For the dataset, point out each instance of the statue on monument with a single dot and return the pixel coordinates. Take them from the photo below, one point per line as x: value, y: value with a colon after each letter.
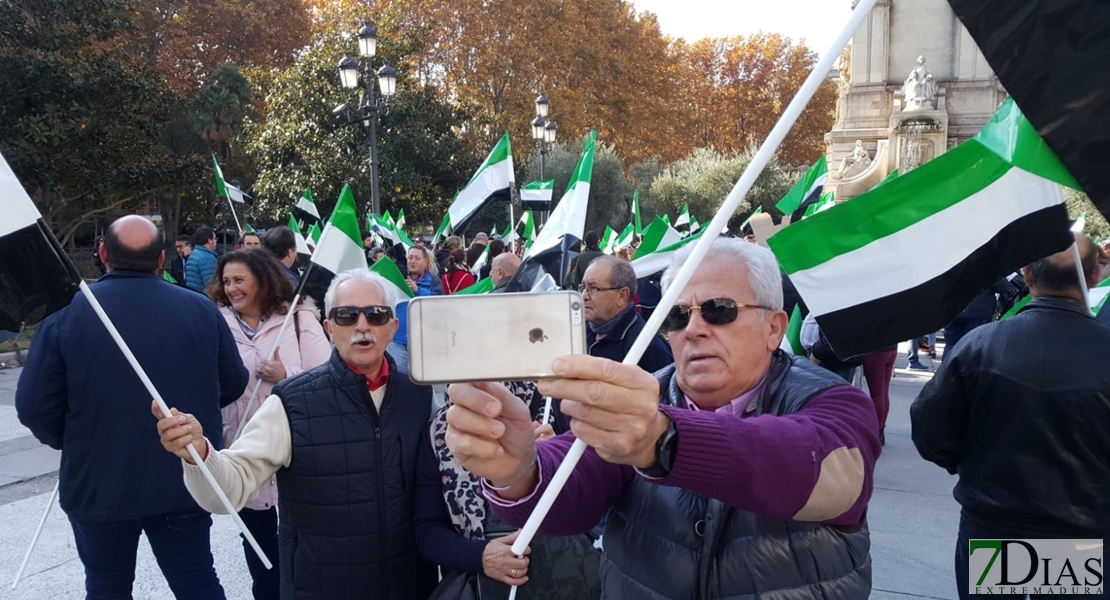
x: 920, y: 89
x: 853, y: 164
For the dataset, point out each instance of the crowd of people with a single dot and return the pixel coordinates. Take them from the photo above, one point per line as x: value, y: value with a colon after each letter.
x: 720, y: 466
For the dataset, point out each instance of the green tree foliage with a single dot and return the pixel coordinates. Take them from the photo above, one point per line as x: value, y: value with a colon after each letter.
x: 704, y: 179
x: 1078, y: 204
x: 222, y: 106
x: 610, y: 191
x: 80, y: 118
x: 423, y: 163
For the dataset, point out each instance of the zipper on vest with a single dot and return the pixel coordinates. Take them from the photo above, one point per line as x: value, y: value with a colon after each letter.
x: 383, y: 556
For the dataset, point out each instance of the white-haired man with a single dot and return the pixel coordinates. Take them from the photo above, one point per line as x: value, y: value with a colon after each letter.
x: 342, y: 439
x: 739, y: 472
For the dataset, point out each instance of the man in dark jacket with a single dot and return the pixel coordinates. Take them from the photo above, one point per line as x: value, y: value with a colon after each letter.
x: 78, y: 394
x: 612, y: 322
x: 202, y: 261
x: 590, y: 252
x: 184, y: 247
x: 718, y: 474
x: 979, y: 312
x: 1020, y: 410
x: 342, y: 439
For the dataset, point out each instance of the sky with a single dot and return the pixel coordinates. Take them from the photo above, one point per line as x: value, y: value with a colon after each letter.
x: 818, y: 21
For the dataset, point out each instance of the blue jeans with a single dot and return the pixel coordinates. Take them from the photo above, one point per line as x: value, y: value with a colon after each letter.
x: 400, y: 356
x: 180, y: 543
x: 263, y: 526
x: 973, y: 531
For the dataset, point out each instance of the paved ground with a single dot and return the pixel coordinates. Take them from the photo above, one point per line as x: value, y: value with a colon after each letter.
x: 912, y: 516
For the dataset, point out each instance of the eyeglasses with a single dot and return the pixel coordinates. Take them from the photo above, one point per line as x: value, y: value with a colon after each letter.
x: 345, y: 316
x: 592, y: 289
x: 717, y: 311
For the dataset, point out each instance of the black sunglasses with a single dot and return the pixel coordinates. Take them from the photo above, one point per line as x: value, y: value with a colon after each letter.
x: 716, y: 311
x: 345, y: 316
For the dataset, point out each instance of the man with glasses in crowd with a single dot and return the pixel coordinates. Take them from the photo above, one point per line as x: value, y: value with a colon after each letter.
x: 739, y: 472
x: 342, y: 439
x: 613, y: 323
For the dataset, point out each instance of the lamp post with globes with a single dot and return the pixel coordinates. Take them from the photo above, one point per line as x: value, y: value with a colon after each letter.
x: 369, y: 104
x: 543, y: 131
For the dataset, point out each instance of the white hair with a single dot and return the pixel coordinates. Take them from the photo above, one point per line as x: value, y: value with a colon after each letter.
x: 763, y: 270
x: 387, y: 286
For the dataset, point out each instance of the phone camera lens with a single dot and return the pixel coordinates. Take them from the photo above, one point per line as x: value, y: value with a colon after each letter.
x: 575, y: 306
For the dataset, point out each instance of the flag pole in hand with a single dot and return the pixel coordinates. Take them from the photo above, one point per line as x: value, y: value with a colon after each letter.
x: 686, y: 272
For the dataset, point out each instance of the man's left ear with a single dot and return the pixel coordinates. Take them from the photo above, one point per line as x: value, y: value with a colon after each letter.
x: 776, y: 325
x: 102, y: 251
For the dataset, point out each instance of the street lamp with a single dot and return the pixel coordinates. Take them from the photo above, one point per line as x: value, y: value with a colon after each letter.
x: 350, y: 70
x: 543, y: 131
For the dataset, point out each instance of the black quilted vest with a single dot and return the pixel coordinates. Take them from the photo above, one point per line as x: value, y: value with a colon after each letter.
x: 346, y: 499
x: 669, y: 543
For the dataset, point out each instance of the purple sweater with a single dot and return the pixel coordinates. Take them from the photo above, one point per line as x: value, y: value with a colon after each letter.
x: 768, y: 465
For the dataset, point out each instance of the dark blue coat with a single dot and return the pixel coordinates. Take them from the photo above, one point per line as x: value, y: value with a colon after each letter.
x: 616, y: 345
x: 78, y: 394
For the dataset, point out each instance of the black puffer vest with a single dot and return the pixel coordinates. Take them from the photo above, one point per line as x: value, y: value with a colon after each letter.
x: 669, y: 543
x: 346, y: 499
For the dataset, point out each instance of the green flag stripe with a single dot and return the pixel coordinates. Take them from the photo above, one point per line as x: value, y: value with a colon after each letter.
x: 388, y: 269
x: 940, y: 184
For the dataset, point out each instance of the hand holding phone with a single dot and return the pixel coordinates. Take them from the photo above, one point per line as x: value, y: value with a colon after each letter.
x: 493, y: 337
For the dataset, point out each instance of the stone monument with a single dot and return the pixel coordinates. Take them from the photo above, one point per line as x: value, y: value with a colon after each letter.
x: 912, y: 85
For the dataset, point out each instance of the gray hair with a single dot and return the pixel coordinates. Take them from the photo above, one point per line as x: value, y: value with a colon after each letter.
x: 621, y: 273
x: 387, y: 286
x: 763, y: 270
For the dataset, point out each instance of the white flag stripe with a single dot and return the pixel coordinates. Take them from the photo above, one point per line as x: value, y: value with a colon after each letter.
x: 536, y: 195
x: 308, y: 206
x: 1014, y: 195
x: 568, y: 217
x: 18, y: 211
x: 337, y: 253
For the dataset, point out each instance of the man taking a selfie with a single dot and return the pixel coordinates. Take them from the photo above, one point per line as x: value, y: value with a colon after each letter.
x: 342, y: 439
x: 717, y: 473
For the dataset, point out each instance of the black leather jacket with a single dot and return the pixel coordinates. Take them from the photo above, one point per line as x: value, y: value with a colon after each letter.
x: 1021, y: 411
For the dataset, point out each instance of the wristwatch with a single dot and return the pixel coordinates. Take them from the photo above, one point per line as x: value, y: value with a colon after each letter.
x: 666, y: 449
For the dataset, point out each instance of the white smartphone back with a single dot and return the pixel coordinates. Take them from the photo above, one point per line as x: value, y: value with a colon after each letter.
x: 493, y: 337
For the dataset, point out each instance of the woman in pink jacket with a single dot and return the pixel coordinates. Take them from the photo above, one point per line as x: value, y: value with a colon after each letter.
x: 254, y: 295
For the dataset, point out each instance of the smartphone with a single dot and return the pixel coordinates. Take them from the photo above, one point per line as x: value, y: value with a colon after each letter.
x: 493, y: 337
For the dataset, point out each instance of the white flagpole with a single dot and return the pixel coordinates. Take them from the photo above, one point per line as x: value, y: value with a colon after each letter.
x: 95, y: 304
x: 284, y: 326
x: 1079, y: 272
x: 231, y: 204
x: 701, y: 248
x: 38, y: 532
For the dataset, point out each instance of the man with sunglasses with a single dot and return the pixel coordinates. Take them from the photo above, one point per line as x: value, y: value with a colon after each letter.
x: 342, y: 439
x: 740, y: 472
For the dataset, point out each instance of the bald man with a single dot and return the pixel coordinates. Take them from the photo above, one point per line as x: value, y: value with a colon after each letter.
x: 502, y: 269
x: 1019, y: 409
x: 78, y: 394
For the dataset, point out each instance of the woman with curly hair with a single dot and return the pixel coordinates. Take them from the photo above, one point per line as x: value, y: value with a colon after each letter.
x: 254, y: 295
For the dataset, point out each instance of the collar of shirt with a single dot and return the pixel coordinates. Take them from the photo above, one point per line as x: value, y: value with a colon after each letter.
x: 247, y: 329
x: 377, y: 382
x: 739, y: 406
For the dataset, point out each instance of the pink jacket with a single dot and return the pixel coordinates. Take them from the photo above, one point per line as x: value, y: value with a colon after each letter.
x: 313, y: 350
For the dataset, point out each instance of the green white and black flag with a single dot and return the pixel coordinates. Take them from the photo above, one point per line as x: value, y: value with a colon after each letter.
x: 36, y: 277
x: 339, y: 249
x: 995, y: 201
x: 491, y: 183
x: 305, y: 210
